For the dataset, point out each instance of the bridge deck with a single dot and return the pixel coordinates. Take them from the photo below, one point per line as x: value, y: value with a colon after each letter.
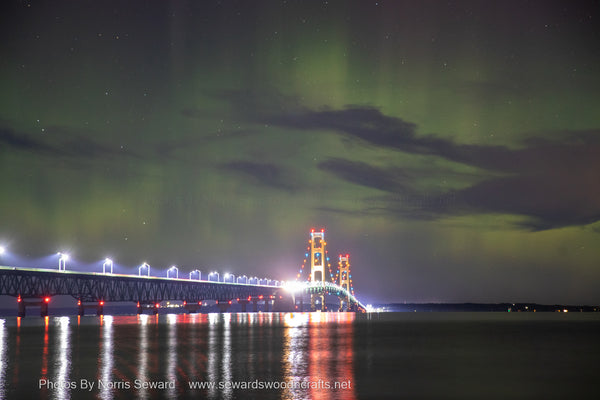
x: 92, y: 286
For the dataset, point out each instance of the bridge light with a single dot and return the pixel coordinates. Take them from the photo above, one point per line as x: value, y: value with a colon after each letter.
x: 144, y: 265
x: 47, y: 300
x: 101, y: 302
x: 195, y: 271
x: 107, y: 261
x: 19, y: 299
x: 62, y: 261
x: 78, y: 302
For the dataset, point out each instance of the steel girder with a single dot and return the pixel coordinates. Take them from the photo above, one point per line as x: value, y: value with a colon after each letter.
x: 95, y: 287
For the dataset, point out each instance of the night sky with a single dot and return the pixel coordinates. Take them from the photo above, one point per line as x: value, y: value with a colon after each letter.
x: 452, y: 148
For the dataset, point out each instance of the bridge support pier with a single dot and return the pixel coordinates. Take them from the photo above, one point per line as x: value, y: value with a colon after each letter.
x: 155, y: 308
x: 99, y: 307
x: 193, y: 307
x: 22, y: 311
x: 313, y: 302
x: 44, y: 309
x: 139, y: 308
x: 23, y: 304
x: 284, y: 303
x: 243, y: 303
x: 255, y: 305
x: 223, y: 305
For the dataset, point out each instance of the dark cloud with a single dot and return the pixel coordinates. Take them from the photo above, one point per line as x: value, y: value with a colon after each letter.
x: 59, y: 142
x: 264, y: 174
x: 550, y: 183
x: 10, y: 139
x: 549, y: 200
x: 389, y: 180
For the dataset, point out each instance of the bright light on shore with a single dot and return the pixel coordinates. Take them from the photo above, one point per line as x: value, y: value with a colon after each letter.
x: 2, y: 250
x: 293, y: 286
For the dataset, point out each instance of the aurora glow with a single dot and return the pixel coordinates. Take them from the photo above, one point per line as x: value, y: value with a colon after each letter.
x: 452, y: 148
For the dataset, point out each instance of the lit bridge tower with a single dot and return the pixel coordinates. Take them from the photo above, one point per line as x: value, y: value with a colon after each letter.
x: 317, y: 267
x: 344, y: 279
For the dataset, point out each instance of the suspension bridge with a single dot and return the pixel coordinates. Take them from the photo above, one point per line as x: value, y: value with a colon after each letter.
x: 35, y: 287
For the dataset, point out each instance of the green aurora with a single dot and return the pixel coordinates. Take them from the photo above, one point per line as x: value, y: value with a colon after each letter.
x: 453, y: 149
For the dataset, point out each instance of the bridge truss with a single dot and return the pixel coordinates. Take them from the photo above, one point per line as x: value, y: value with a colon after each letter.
x: 40, y: 285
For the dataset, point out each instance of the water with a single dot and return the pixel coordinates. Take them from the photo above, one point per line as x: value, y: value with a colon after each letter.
x: 302, y: 356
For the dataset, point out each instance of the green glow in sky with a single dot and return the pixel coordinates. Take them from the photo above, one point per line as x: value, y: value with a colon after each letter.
x: 452, y: 150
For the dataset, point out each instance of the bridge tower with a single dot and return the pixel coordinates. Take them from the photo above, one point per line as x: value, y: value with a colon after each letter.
x: 317, y: 266
x: 344, y: 279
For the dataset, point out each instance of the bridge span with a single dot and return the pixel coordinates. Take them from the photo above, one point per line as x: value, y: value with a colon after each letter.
x: 35, y: 287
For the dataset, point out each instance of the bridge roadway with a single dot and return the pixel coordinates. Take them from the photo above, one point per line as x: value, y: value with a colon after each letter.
x: 32, y: 283
x: 90, y: 287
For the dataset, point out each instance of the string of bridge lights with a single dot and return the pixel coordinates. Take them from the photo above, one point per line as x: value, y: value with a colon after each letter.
x: 172, y: 272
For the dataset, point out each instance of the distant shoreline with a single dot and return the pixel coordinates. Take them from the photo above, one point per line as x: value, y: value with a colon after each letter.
x: 486, y: 307
x: 391, y: 307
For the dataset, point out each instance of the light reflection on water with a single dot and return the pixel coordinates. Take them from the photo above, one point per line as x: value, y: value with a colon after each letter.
x: 330, y: 339
x: 3, y: 335
x: 226, y: 356
x: 172, y: 355
x: 400, y: 355
x: 109, y: 351
x: 106, y: 360
x: 213, y: 320
x: 294, y: 355
x: 44, y: 372
x: 62, y: 357
x: 143, y: 354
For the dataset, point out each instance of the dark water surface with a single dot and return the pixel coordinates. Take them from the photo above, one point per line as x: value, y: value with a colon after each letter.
x: 303, y: 356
